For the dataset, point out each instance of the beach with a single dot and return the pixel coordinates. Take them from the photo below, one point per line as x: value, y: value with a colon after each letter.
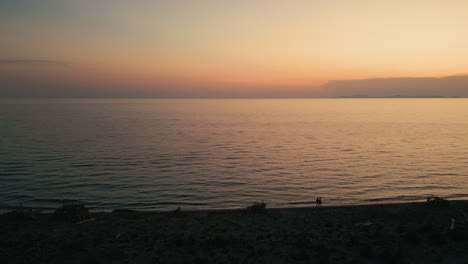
x: 383, y: 233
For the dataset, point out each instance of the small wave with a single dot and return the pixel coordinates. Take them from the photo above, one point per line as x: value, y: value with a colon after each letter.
x: 298, y: 203
x: 444, y: 174
x: 82, y: 165
x: 396, y: 198
x: 56, y: 201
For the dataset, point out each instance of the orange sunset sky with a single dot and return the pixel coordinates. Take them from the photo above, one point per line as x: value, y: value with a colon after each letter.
x: 256, y: 48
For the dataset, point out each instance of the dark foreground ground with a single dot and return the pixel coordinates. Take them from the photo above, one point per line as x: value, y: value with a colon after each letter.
x: 392, y: 233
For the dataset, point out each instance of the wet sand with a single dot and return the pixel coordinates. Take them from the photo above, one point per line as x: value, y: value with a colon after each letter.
x: 390, y: 233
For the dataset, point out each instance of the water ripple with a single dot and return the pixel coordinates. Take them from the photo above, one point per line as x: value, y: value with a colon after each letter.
x: 215, y: 154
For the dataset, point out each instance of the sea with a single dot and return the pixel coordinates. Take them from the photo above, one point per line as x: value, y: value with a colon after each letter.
x: 159, y: 154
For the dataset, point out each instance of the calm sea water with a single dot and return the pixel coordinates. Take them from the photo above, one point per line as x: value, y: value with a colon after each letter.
x: 159, y: 154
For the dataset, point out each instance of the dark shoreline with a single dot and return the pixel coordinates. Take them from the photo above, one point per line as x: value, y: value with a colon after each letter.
x: 291, y: 206
x: 390, y: 233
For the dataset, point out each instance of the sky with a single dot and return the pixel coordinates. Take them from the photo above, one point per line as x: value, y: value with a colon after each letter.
x: 221, y: 48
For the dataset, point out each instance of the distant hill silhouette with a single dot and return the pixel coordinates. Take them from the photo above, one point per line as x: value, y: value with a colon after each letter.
x: 405, y: 87
x: 394, y: 96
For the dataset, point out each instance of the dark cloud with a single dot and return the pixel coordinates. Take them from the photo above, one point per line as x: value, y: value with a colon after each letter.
x: 404, y: 86
x: 31, y: 62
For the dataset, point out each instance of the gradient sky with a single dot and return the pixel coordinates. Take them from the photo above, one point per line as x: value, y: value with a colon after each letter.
x: 216, y: 48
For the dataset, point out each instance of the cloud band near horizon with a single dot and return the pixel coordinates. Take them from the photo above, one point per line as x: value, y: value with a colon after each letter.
x: 35, y: 62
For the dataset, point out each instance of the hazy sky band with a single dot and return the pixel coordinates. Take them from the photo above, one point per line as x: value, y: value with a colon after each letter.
x: 237, y: 48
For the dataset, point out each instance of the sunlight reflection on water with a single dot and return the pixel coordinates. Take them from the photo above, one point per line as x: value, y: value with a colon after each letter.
x: 143, y: 153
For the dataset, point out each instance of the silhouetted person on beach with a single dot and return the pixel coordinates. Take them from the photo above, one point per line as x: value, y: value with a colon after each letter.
x: 318, y: 201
